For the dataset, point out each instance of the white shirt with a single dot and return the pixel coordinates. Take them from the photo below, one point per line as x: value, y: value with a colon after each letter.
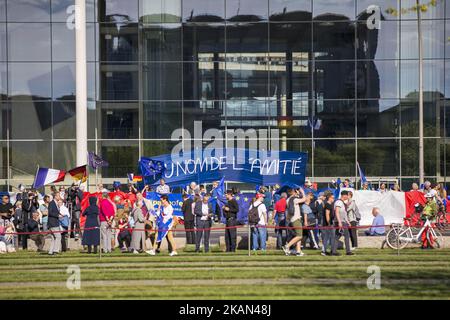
x: 262, y: 211
x: 168, y: 213
x: 163, y: 189
x: 64, y: 211
x: 205, y: 211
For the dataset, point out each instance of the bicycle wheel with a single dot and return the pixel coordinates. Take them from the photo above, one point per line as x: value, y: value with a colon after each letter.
x: 392, y: 239
x: 438, y: 239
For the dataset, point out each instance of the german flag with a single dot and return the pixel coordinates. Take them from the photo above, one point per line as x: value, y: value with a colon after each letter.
x: 79, y: 173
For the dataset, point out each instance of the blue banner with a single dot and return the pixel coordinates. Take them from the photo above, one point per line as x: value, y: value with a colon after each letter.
x: 175, y: 199
x: 240, y: 165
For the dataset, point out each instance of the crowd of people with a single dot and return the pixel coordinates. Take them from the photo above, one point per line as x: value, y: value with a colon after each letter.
x: 300, y: 217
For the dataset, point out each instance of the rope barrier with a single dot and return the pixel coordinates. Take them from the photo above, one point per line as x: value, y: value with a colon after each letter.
x: 205, y: 229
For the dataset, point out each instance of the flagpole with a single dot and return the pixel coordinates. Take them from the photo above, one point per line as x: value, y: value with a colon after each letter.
x: 34, y: 181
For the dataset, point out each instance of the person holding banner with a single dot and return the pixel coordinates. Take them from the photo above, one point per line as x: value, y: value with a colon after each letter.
x: 230, y: 211
x: 203, y: 212
x: 165, y: 222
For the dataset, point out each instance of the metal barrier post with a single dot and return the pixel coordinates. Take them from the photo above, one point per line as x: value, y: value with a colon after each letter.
x: 100, y: 246
x: 249, y: 234
x: 398, y: 242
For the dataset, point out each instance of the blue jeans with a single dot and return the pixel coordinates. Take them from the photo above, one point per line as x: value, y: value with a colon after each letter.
x: 259, y: 238
x: 281, y: 222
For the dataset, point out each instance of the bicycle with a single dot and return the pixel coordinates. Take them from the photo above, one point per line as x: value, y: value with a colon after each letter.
x: 401, y: 235
x: 442, y: 222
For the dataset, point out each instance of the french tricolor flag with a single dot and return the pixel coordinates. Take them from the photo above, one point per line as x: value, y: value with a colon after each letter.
x: 46, y: 176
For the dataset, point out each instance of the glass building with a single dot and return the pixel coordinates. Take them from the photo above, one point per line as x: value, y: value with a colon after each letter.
x: 335, y: 87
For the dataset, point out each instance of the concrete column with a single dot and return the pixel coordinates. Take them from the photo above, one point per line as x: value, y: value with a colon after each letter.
x: 81, y: 81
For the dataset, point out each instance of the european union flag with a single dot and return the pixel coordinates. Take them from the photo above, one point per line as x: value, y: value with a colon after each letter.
x: 150, y: 167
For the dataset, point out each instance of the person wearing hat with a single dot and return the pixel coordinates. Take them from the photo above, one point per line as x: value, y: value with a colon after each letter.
x: 230, y: 211
x: 429, y: 213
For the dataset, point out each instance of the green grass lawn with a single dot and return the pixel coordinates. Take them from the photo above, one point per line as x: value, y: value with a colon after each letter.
x: 414, y: 274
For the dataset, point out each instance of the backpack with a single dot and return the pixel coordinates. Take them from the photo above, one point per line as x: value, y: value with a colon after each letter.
x: 253, y: 214
x: 290, y: 207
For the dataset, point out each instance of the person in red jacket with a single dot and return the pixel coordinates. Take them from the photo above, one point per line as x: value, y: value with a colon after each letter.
x: 280, y: 218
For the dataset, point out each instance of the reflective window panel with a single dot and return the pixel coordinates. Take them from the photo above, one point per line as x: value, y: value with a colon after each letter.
x: 157, y: 147
x: 119, y: 81
x: 28, y: 10
x: 64, y: 120
x: 64, y: 86
x: 432, y: 35
x: 118, y: 42
x: 379, y: 158
x: 410, y: 157
x: 203, y: 42
x: 209, y: 112
x: 378, y: 118
x: 433, y: 81
x: 334, y: 79
x: 203, y: 10
x: 246, y: 10
x: 204, y: 81
x: 333, y: 119
x: 160, y: 119
x: 5, y: 120
x: 383, y: 43
x: 247, y: 38
x: 63, y: 42
x: 292, y: 41
x: 3, y: 44
x: 161, y: 42
x: 334, y: 40
x: 64, y: 10
x: 3, y: 81
x: 117, y: 11
x: 433, y: 106
x: 290, y: 10
x: 162, y: 81
x: 119, y: 120
x: 160, y: 11
x: 389, y: 9
x: 31, y: 120
x: 334, y: 158
x: 334, y: 10
x: 23, y: 167
x: 2, y: 10
x: 378, y: 79
x: 29, y: 42
x: 433, y: 9
x: 29, y: 81
x: 4, y: 163
x: 64, y: 154
x: 122, y: 156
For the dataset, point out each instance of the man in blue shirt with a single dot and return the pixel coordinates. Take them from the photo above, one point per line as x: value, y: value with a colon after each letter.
x: 378, y: 220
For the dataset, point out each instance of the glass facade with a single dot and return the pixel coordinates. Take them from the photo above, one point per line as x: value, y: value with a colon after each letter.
x: 333, y: 85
